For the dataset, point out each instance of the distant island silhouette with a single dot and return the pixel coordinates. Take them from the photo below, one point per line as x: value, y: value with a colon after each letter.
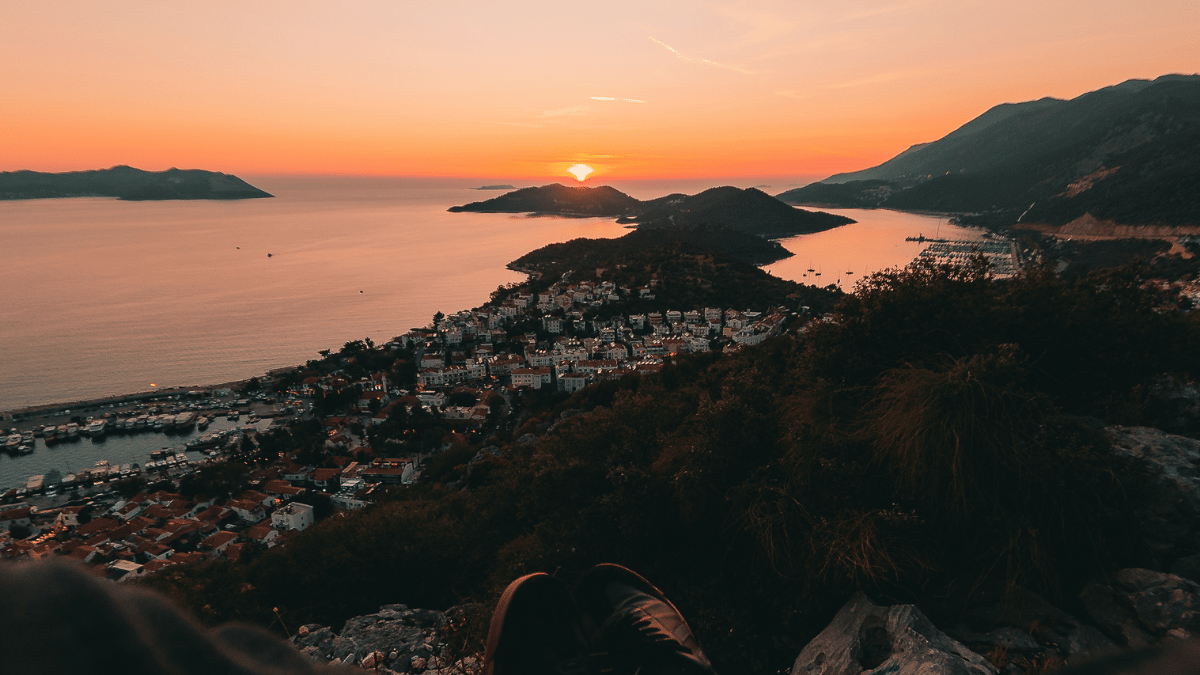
x: 730, y: 211
x: 495, y: 187
x: 127, y: 183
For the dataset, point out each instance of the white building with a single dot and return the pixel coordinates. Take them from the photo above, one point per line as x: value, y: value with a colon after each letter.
x: 294, y: 516
x: 531, y: 377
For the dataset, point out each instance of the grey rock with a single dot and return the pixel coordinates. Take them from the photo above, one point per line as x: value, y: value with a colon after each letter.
x: 396, y: 630
x: 1084, y: 643
x: 1056, y: 633
x: 1141, y: 607
x: 1175, y: 405
x: 527, y: 439
x: 1166, y: 484
x: 897, y: 640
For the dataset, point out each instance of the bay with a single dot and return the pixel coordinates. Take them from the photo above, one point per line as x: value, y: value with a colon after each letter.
x: 103, y: 297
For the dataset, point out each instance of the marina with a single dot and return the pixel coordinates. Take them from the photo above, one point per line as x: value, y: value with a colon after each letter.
x: 149, y: 439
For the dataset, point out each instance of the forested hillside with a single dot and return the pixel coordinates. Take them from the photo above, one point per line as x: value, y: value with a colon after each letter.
x: 941, y: 431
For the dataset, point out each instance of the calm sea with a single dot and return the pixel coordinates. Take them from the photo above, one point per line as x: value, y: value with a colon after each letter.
x: 107, y: 297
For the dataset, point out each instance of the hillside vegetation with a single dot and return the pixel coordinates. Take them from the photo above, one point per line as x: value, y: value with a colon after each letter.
x: 942, y: 430
x: 1126, y: 154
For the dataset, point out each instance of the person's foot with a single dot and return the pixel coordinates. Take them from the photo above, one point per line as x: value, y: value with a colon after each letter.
x: 535, y: 631
x: 635, y: 626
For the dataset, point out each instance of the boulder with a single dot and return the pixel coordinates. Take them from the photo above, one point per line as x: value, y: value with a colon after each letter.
x: 1174, y: 405
x: 1165, y: 486
x: 395, y: 639
x: 1140, y: 607
x: 898, y: 640
x: 1027, y: 630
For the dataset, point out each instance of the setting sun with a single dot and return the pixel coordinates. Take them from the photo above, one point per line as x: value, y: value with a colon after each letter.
x: 580, y: 171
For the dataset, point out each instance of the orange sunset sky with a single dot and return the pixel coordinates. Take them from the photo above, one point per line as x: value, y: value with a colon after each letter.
x: 525, y: 89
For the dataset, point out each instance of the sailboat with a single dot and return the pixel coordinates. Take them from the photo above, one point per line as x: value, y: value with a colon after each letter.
x: 810, y: 267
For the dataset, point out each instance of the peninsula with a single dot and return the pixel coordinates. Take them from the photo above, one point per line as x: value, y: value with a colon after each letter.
x: 127, y: 183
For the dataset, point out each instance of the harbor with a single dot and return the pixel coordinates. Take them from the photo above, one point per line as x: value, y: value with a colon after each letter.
x: 62, y: 450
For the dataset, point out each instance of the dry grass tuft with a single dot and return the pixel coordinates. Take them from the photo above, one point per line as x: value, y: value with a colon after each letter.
x: 954, y: 437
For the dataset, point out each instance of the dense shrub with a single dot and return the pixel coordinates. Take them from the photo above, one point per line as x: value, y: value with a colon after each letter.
x: 937, y: 432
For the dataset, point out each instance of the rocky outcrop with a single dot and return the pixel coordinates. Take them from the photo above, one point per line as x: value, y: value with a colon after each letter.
x: 1020, y: 632
x: 396, y: 639
x: 1164, y: 485
x: 898, y: 640
x: 1175, y: 405
x: 1142, y: 607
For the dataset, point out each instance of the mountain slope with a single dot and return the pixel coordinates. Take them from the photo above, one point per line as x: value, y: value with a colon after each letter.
x: 1126, y: 153
x: 124, y: 182
x: 558, y: 200
x: 750, y: 211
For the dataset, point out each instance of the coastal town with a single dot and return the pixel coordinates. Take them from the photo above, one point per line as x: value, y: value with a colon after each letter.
x: 344, y: 431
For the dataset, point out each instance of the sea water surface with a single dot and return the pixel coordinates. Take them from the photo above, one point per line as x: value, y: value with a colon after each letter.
x: 104, y: 297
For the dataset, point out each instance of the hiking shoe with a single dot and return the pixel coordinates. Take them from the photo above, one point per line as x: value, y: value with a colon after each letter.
x: 535, y: 630
x: 635, y: 627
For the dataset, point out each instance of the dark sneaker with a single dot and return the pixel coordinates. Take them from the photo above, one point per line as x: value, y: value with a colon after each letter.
x: 633, y: 624
x: 535, y: 630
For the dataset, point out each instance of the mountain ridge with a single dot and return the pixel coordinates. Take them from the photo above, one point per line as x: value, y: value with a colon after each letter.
x: 127, y: 183
x: 749, y: 211
x: 1124, y: 153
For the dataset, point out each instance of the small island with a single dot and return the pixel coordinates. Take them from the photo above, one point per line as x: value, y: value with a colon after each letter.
x: 127, y: 183
x: 739, y: 222
x: 495, y: 187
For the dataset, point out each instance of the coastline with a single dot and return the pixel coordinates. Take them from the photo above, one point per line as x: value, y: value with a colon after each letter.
x: 47, y: 410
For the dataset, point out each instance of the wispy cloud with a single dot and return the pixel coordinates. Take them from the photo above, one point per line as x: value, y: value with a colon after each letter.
x: 880, y: 78
x: 527, y: 125
x: 613, y: 98
x: 573, y: 111
x: 884, y: 9
x: 715, y: 64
